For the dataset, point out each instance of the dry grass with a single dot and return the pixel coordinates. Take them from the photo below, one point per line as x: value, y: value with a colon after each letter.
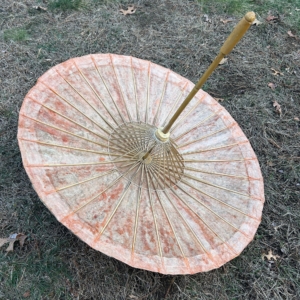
x: 54, y: 264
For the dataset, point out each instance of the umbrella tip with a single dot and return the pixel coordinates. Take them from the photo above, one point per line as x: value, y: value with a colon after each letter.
x: 250, y: 16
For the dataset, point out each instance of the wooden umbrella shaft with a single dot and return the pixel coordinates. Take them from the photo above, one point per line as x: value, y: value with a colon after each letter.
x: 237, y: 33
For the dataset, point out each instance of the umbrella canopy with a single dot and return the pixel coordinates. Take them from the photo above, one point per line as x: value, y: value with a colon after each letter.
x: 85, y: 132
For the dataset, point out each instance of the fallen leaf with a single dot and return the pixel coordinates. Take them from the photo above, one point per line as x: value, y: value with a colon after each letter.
x: 223, y: 61
x: 219, y: 99
x: 207, y: 19
x: 11, y: 245
x: 256, y: 22
x: 271, y: 18
x: 21, y: 238
x: 296, y: 119
x: 130, y: 10
x: 290, y: 34
x: 40, y: 8
x: 270, y: 255
x: 3, y: 241
x: 277, y: 107
x: 26, y: 294
x: 226, y: 20
x: 271, y: 85
x: 276, y: 72
x: 12, y: 239
x: 270, y: 164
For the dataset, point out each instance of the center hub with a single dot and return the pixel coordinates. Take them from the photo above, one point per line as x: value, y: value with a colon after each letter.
x: 143, y: 159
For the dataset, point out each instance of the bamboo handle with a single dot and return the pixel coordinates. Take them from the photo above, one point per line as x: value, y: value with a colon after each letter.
x: 237, y: 33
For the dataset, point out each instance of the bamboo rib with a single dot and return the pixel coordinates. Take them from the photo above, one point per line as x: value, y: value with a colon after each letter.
x: 220, y: 187
x: 137, y: 209
x: 118, y: 204
x: 108, y: 92
x: 202, y: 220
x: 196, y: 126
x: 77, y: 109
x: 70, y: 120
x: 187, y: 114
x: 70, y: 133
x: 161, y: 99
x: 65, y: 131
x: 135, y: 92
x: 202, y: 138
x: 120, y: 89
x: 148, y: 93
x: 154, y: 215
x: 68, y: 147
x: 97, y: 95
x: 214, y: 148
x: 84, y: 181
x: 213, y: 212
x: 98, y: 195
x: 220, y: 201
x: 185, y: 222
x: 77, y: 92
x: 175, y: 103
x: 168, y: 218
x: 216, y: 173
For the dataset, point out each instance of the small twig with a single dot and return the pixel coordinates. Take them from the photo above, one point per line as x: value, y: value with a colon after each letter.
x: 169, y: 288
x: 273, y: 143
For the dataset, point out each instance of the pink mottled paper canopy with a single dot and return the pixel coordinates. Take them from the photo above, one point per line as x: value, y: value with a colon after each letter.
x: 73, y: 121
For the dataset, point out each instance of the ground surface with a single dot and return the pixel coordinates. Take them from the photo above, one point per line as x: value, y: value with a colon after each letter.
x: 55, y: 264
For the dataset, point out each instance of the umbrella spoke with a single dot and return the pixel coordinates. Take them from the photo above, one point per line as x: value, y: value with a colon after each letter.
x: 67, y: 147
x: 65, y: 131
x: 113, y: 66
x: 168, y: 218
x: 175, y: 103
x: 185, y: 222
x: 135, y: 92
x: 72, y: 121
x: 154, y: 215
x: 97, y: 95
x: 118, y: 204
x: 77, y: 92
x: 148, y: 92
x: 226, y: 204
x: 137, y: 209
x: 77, y: 109
x: 218, y: 186
x: 215, y: 148
x: 212, y: 211
x: 198, y: 216
x: 161, y: 99
x: 196, y: 126
x: 202, y: 220
x: 83, y: 181
x: 98, y: 195
x: 187, y: 114
x: 202, y: 138
x: 221, y: 174
x: 110, y: 95
x: 78, y: 164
